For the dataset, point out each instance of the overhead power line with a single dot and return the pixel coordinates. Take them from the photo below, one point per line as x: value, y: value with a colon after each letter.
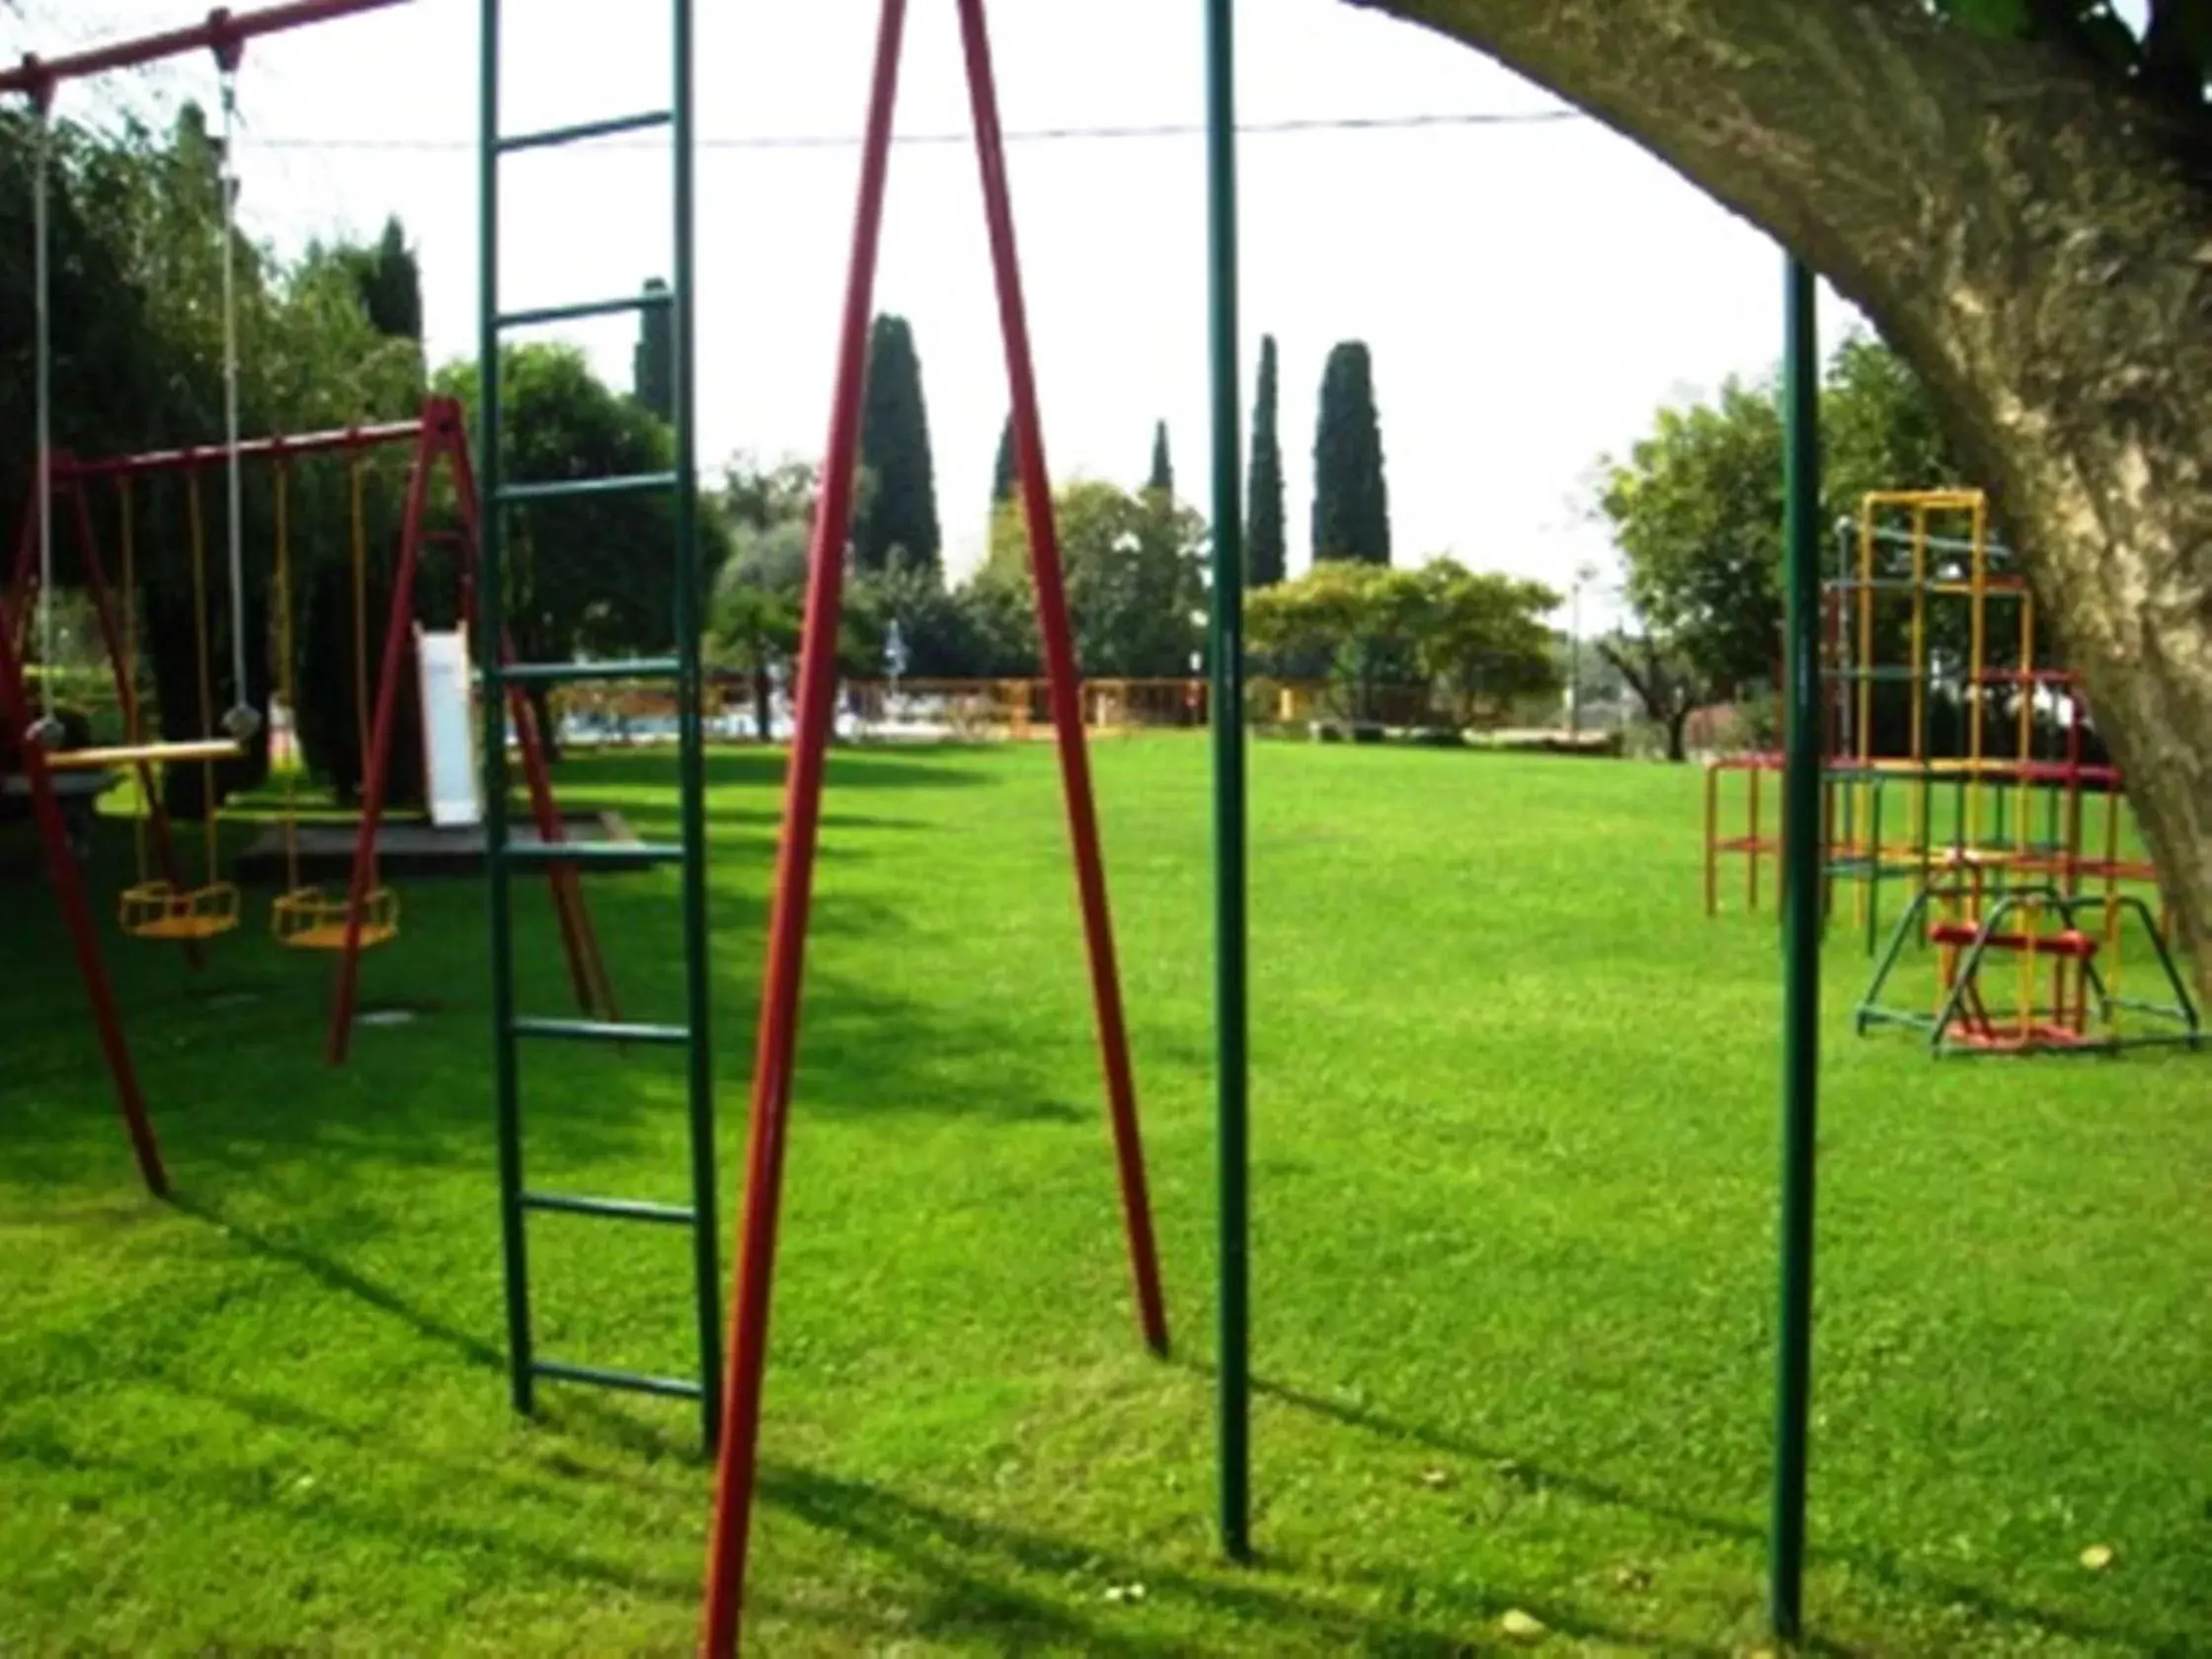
x: 1030, y: 135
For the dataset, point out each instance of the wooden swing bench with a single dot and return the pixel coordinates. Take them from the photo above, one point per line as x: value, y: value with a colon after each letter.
x: 118, y: 755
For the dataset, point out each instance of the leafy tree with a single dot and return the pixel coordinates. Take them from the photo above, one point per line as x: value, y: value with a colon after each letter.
x: 1005, y: 481
x: 761, y: 496
x: 1476, y: 640
x: 1661, y: 678
x: 592, y: 577
x: 900, y: 510
x: 1696, y: 510
x: 653, y: 361
x: 1356, y: 624
x: 1263, y: 512
x: 1481, y: 642
x: 1163, y: 476
x: 2017, y: 192
x: 759, y: 598
x: 388, y: 276
x: 1132, y: 565
x: 138, y: 323
x: 1351, y: 503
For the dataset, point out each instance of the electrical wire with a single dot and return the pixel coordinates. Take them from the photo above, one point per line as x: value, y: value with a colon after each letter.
x: 1030, y: 135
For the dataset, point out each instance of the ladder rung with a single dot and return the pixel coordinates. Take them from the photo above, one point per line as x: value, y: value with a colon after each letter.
x: 555, y: 673
x: 593, y: 852
x: 562, y: 489
x: 602, y: 1031
x: 672, y: 1388
x: 609, y: 128
x: 622, y: 1209
x: 651, y: 299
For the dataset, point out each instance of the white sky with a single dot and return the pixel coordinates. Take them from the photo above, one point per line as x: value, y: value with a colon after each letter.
x: 1532, y: 293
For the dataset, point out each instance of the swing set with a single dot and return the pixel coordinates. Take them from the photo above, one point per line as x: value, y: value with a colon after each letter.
x: 163, y: 902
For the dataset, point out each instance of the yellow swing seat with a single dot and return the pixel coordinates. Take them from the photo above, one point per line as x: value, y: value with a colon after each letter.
x: 160, y: 910
x: 309, y: 919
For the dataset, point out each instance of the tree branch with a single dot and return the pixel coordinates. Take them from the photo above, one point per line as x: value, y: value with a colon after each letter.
x: 2033, y: 237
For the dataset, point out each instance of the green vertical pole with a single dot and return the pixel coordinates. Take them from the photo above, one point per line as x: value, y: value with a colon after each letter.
x: 1801, y: 922
x: 707, y: 1231
x: 1226, y: 717
x: 491, y: 617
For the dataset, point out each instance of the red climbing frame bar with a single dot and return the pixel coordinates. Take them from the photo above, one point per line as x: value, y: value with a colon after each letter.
x: 84, y: 938
x: 222, y: 32
x: 1063, y: 676
x: 774, y: 1057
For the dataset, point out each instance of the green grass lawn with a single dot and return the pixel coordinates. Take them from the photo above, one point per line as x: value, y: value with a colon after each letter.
x: 1515, y: 1146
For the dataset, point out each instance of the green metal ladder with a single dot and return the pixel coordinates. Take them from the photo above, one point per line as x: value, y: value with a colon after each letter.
x: 517, y: 1200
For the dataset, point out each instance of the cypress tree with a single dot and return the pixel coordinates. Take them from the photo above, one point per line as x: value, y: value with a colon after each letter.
x: 1163, y: 476
x: 901, y: 510
x: 389, y: 278
x: 1005, y: 480
x: 652, y: 363
x: 1263, y: 514
x: 1351, y: 503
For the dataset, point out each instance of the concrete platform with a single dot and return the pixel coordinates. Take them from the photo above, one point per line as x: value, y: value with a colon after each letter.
x: 409, y: 848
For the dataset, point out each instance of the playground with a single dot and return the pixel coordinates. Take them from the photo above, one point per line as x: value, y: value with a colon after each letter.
x: 1513, y: 1223
x: 374, y: 1277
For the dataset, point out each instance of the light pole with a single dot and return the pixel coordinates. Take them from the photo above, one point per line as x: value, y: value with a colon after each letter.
x: 1584, y: 574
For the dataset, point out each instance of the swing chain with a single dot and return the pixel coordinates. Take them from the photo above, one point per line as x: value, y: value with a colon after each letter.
x: 48, y: 731
x: 243, y: 720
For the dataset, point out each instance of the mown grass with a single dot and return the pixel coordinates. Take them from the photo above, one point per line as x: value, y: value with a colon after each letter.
x: 1514, y: 1164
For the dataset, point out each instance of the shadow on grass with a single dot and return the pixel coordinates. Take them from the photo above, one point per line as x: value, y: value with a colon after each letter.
x: 951, y: 1551
x: 345, y: 1520
x: 252, y: 1096
x: 1882, y: 1565
x: 341, y: 1280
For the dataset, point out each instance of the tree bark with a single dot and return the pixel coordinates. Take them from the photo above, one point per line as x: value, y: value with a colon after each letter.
x: 2024, y: 233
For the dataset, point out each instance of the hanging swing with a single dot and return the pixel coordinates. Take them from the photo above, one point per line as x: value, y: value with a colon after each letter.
x: 156, y: 909
x: 153, y: 909
x: 305, y: 917
x: 160, y: 910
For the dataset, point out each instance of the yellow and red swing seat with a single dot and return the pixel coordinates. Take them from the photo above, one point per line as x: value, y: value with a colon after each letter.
x: 159, y: 910
x: 309, y: 919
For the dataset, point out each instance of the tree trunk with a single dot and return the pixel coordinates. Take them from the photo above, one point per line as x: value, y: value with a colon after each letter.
x: 2020, y: 230
x: 763, y: 704
x: 1678, y: 726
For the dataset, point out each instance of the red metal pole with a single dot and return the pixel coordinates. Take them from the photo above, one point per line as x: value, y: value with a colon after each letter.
x: 69, y: 891
x: 201, y: 458
x: 580, y: 943
x: 402, y: 617
x: 1063, y: 676
x: 738, y: 1454
x: 222, y: 32
x: 15, y: 619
